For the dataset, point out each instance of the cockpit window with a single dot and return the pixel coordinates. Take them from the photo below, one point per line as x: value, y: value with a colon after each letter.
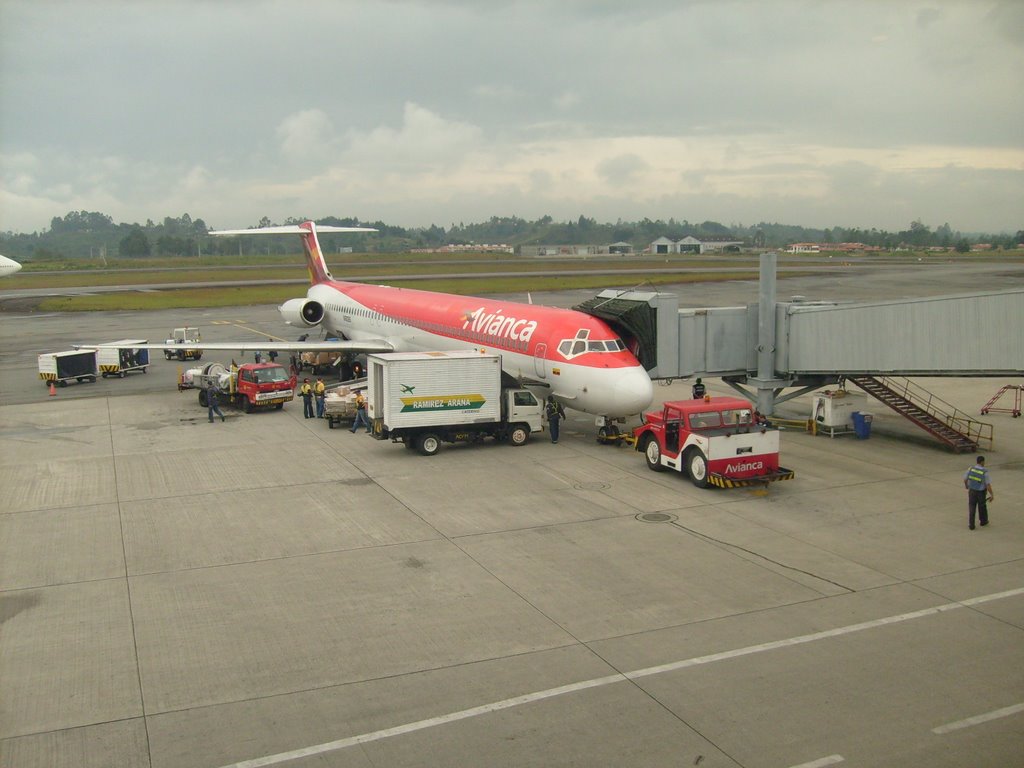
x: 582, y: 344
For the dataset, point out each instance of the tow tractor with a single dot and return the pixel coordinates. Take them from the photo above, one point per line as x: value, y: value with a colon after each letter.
x: 184, y: 336
x: 717, y: 441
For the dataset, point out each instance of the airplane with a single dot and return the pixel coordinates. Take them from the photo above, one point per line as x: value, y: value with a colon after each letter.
x: 8, y: 266
x: 577, y: 358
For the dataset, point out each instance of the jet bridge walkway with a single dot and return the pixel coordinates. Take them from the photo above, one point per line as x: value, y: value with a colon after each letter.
x: 767, y: 347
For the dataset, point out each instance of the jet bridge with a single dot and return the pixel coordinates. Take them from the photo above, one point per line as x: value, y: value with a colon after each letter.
x: 771, y: 346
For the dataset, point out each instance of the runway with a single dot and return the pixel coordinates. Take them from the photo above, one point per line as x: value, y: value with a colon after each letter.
x: 270, y: 592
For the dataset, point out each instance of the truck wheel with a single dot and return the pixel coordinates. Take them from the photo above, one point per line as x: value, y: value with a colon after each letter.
x: 697, y: 466
x: 248, y: 405
x: 121, y: 374
x: 518, y: 435
x: 203, y: 399
x: 62, y: 383
x: 428, y: 444
x: 181, y: 354
x: 652, y: 453
x: 279, y: 406
x: 104, y: 374
x: 199, y: 355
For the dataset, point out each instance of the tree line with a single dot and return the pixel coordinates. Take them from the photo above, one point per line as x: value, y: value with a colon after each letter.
x: 93, y: 234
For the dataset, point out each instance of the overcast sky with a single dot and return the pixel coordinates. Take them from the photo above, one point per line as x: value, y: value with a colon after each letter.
x: 860, y: 113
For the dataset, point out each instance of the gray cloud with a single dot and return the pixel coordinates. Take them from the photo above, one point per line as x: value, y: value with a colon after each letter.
x: 432, y: 112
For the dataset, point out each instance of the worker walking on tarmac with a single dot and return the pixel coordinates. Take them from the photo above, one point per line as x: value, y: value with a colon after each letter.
x: 306, y: 390
x: 698, y: 390
x: 319, y: 392
x: 978, y: 485
x: 361, y: 417
x: 212, y: 398
x: 555, y: 413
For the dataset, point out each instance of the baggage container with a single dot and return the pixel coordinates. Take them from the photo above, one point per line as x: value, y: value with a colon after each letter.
x: 74, y: 365
x: 118, y: 358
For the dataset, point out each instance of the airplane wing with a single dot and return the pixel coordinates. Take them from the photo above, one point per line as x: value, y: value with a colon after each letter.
x: 366, y: 345
x: 288, y: 229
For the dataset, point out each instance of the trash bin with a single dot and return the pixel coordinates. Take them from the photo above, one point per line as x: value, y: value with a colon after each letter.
x: 862, y: 424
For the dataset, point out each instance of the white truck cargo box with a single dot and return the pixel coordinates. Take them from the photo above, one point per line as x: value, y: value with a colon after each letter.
x: 422, y: 389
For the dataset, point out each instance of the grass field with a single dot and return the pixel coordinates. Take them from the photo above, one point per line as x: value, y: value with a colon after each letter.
x: 157, y: 272
x: 234, y: 296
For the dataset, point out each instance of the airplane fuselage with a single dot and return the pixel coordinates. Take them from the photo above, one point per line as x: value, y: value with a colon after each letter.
x: 577, y: 357
x: 8, y: 266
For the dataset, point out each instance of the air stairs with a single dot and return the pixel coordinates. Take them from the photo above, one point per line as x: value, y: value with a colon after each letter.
x: 990, y: 406
x: 945, y: 422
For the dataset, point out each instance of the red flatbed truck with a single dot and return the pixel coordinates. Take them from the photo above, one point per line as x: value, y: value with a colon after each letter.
x: 251, y: 386
x: 717, y: 441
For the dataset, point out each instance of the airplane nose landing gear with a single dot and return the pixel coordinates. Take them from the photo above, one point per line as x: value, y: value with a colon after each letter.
x: 608, y: 432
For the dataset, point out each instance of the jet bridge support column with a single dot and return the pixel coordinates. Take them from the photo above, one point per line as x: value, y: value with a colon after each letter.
x: 765, y: 381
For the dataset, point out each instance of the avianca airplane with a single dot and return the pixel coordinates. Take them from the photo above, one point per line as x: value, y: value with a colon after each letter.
x: 8, y: 266
x: 577, y: 357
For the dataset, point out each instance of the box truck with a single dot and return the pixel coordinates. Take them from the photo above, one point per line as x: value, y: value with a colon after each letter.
x: 422, y: 399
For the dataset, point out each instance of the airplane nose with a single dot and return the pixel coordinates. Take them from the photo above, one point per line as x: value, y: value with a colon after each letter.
x: 634, y: 391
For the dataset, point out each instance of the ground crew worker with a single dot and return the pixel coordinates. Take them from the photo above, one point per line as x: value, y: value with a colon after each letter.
x: 212, y: 397
x: 698, y: 390
x: 978, y: 485
x: 306, y: 390
x: 319, y: 392
x: 555, y: 412
x: 361, y: 417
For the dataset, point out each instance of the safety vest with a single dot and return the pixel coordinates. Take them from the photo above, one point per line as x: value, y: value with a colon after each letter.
x: 319, y: 388
x: 976, y: 474
x: 305, y: 390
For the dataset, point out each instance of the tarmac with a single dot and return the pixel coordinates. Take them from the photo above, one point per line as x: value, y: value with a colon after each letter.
x: 269, y: 592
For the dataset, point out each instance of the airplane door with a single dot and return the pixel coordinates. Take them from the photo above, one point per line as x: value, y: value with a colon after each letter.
x: 540, y: 363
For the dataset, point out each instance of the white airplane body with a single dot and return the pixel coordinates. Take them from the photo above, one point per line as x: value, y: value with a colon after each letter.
x: 578, y: 358
x: 8, y: 266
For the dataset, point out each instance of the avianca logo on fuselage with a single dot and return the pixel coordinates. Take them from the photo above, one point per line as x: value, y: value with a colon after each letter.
x: 499, y: 325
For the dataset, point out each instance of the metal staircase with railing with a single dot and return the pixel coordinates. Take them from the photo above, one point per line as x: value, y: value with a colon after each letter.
x: 945, y: 422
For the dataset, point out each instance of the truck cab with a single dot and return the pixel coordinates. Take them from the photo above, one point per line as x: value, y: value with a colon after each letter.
x: 717, y: 441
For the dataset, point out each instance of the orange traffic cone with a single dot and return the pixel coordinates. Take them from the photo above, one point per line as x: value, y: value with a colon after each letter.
x: 53, y: 390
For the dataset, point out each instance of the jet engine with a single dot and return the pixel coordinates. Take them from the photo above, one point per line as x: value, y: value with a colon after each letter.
x: 302, y: 312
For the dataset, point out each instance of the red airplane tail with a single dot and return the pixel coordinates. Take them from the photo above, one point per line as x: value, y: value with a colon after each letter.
x: 315, y: 264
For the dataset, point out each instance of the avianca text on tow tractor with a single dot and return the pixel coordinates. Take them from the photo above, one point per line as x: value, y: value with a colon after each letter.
x: 716, y: 441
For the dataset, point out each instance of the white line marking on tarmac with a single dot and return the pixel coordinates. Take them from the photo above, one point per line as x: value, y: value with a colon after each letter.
x: 528, y: 698
x: 979, y: 719
x: 820, y: 762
